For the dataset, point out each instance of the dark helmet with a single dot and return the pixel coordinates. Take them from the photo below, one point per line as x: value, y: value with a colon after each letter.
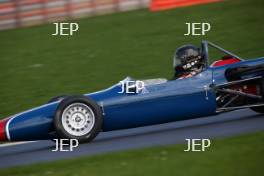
x: 186, y: 58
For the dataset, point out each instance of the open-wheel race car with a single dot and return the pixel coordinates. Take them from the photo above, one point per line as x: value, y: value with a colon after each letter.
x: 228, y: 84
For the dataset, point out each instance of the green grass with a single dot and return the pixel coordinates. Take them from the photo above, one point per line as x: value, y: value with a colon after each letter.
x: 237, y: 156
x: 35, y: 66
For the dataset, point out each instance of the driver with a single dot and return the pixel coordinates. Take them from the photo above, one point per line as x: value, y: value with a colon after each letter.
x: 187, y: 62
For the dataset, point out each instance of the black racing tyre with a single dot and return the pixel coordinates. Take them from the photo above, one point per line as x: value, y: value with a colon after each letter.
x: 78, y: 117
x: 259, y: 109
x: 57, y: 98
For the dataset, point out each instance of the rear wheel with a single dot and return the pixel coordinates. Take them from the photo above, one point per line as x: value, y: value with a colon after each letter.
x: 260, y: 109
x: 78, y: 117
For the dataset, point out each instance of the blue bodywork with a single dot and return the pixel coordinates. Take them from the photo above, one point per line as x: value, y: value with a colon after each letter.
x: 159, y: 103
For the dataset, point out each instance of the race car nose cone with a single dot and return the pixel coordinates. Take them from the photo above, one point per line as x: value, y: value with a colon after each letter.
x: 2, y: 129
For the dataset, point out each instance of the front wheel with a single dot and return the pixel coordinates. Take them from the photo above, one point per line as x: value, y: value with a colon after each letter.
x: 57, y: 98
x: 78, y: 117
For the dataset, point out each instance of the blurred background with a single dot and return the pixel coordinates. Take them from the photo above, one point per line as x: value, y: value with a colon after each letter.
x: 18, y: 13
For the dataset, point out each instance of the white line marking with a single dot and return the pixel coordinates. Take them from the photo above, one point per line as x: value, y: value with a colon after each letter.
x: 7, y: 128
x: 15, y: 143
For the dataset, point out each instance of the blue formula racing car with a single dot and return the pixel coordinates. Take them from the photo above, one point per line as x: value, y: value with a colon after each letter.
x: 228, y: 84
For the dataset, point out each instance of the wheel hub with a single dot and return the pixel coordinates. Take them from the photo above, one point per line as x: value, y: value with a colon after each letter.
x: 78, y: 119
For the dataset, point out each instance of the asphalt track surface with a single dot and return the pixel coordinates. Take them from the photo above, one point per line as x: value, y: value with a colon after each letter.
x: 227, y: 124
